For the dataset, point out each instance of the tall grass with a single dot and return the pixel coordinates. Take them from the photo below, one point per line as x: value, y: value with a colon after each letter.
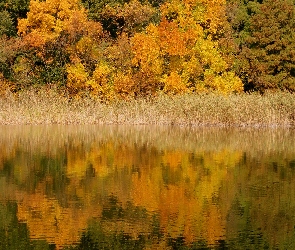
x: 48, y: 106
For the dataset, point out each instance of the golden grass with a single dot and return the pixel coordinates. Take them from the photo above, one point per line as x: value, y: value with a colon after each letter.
x: 48, y: 106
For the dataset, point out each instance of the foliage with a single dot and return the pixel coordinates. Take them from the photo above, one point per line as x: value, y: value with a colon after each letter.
x: 76, y: 77
x: 122, y: 49
x: 147, y: 60
x: 125, y: 85
x: 100, y: 83
x: 184, y: 48
x: 180, y: 54
x: 264, y: 32
x: 57, y: 33
x: 173, y: 84
x: 129, y: 17
x: 10, y: 11
x: 6, y: 27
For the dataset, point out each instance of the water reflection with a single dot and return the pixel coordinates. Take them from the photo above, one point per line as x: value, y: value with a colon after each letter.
x: 106, y: 187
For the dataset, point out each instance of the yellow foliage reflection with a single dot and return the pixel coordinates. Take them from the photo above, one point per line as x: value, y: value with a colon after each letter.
x: 47, y: 219
x: 168, y: 183
x: 190, y: 189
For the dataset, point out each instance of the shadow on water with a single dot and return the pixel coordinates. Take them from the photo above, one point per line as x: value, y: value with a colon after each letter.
x: 144, y: 187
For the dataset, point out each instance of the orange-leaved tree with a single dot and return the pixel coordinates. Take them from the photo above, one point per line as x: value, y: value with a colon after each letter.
x: 183, y: 53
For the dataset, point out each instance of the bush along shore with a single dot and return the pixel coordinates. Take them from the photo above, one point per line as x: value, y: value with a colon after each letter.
x: 48, y: 106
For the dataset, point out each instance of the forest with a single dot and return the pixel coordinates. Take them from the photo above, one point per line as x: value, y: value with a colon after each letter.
x: 130, y: 48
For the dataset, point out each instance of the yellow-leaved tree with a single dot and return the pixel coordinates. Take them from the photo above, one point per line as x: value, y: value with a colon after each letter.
x: 147, y: 59
x: 64, y: 44
x: 182, y: 53
x: 48, y: 20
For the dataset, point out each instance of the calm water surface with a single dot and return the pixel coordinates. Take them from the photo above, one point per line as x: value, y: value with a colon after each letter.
x: 106, y: 187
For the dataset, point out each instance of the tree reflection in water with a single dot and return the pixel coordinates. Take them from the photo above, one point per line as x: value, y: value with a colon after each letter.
x: 106, y: 187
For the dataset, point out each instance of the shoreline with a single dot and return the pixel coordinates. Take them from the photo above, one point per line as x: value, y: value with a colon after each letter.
x: 47, y: 106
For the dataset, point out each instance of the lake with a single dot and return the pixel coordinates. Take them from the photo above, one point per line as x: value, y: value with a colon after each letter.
x: 145, y: 187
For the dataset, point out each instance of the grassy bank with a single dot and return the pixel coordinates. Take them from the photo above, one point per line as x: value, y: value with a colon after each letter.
x: 49, y: 107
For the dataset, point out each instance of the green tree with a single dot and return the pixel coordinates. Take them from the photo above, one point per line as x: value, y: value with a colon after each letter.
x: 6, y: 26
x: 10, y: 11
x: 264, y: 32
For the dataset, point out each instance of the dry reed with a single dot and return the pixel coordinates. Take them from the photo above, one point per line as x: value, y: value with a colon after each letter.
x: 48, y: 106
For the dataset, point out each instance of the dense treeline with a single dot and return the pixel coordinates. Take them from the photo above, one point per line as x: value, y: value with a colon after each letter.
x: 122, y: 48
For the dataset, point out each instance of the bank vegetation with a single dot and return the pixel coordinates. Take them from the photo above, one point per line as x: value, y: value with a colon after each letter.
x: 191, y: 62
x: 50, y: 106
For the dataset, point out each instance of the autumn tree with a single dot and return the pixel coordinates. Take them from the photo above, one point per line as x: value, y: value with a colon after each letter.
x: 183, y: 52
x: 117, y: 17
x: 96, y: 8
x: 264, y: 34
x: 58, y: 34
